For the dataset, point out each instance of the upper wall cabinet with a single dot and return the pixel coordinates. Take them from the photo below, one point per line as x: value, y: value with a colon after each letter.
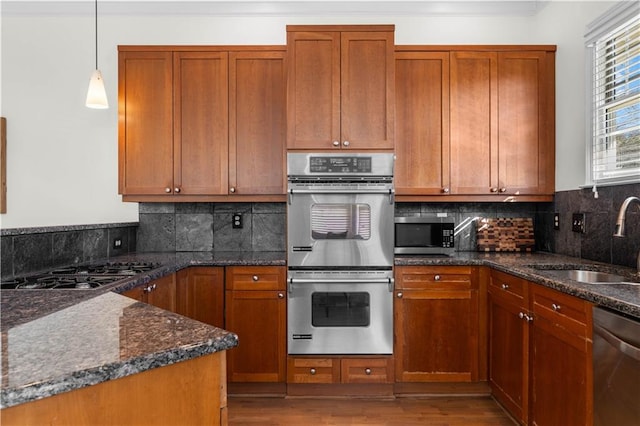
x: 475, y: 123
x: 340, y: 89
x: 196, y: 125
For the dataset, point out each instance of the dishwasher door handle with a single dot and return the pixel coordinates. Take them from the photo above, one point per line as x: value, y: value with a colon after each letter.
x: 624, y: 347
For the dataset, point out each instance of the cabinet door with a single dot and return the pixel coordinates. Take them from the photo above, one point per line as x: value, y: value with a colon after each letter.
x: 525, y: 94
x: 474, y: 123
x: 436, y: 325
x: 257, y: 126
x: 313, y: 89
x: 145, y: 123
x: 200, y: 294
x: 422, y: 127
x: 259, y: 319
x: 162, y: 293
x: 508, y: 355
x: 201, y: 123
x: 367, y: 90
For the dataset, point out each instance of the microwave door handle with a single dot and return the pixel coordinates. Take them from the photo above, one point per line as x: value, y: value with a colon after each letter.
x: 340, y: 281
x: 392, y: 196
x: 341, y: 191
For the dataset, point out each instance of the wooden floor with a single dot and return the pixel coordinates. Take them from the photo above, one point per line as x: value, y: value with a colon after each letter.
x: 433, y: 411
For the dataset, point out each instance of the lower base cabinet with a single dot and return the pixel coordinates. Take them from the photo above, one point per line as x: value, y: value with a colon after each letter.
x: 540, y: 352
x: 186, y: 393
x: 160, y: 293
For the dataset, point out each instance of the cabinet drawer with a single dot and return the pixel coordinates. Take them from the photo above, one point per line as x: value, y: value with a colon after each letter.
x: 255, y: 278
x: 313, y: 370
x: 509, y: 288
x: 367, y: 370
x: 563, y: 310
x: 427, y: 277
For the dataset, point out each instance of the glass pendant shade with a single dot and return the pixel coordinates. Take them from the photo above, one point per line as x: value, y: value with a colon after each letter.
x: 96, y: 95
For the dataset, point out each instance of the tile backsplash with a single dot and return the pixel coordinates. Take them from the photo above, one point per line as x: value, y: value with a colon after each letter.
x: 208, y: 226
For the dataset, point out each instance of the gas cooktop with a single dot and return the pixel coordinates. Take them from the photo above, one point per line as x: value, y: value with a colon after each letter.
x: 80, y: 277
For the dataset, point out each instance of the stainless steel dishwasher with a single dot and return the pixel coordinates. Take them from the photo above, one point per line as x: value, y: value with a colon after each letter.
x: 616, y: 369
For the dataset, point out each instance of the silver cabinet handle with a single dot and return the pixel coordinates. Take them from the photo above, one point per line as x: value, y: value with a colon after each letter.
x: 525, y: 317
x: 177, y: 190
x: 494, y: 189
x: 505, y: 286
x: 312, y: 371
x: 255, y: 278
x: 280, y: 295
x: 346, y: 143
x: 555, y: 307
x: 445, y: 190
x: 399, y: 295
x: 367, y: 371
x: 232, y: 190
x: 437, y: 278
x: 167, y: 190
x: 336, y: 143
x: 503, y: 189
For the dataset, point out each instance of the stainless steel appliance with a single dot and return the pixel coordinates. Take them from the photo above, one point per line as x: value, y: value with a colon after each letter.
x: 340, y: 253
x: 431, y: 234
x: 616, y: 369
x: 79, y: 277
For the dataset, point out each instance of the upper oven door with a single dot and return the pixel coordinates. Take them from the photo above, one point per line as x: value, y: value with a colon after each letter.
x: 340, y: 229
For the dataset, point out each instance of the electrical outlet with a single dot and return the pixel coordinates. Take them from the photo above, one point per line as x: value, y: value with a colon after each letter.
x: 236, y: 221
x: 556, y: 221
x: 117, y: 243
x: 578, y: 224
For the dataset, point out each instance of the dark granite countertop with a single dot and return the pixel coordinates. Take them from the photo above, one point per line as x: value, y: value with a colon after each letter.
x: 58, y: 340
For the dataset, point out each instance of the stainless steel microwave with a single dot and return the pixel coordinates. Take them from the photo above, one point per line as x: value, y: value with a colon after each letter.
x: 424, y: 235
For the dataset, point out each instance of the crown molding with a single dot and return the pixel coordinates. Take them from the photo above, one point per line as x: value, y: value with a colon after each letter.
x: 273, y: 8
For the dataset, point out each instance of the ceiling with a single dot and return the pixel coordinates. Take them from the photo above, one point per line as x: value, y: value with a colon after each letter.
x: 275, y: 7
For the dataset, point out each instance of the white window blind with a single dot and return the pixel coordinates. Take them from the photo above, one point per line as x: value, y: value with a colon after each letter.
x: 615, y: 145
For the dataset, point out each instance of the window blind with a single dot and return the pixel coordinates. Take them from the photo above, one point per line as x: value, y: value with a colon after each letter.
x: 616, y: 104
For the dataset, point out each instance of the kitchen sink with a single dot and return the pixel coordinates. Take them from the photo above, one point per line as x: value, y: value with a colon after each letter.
x: 585, y: 274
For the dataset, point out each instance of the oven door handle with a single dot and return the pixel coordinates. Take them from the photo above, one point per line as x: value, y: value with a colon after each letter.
x: 389, y: 281
x: 387, y: 191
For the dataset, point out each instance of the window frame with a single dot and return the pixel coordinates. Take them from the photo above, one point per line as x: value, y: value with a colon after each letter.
x: 618, y: 15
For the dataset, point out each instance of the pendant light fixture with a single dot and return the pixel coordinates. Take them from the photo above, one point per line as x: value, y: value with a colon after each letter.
x: 96, y: 95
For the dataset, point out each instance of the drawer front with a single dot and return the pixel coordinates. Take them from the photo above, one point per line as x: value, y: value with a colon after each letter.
x: 563, y: 310
x: 367, y: 370
x: 508, y: 287
x: 434, y: 277
x: 313, y: 370
x: 255, y: 278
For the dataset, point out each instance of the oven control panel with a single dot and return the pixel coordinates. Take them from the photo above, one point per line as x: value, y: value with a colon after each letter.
x: 340, y: 164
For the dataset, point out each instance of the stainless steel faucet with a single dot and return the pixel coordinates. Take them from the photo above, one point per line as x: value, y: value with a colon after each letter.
x: 620, y: 222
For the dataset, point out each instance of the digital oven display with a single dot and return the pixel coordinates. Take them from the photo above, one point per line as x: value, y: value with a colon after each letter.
x: 340, y: 164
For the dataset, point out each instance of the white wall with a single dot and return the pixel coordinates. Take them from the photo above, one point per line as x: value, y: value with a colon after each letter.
x: 62, y: 157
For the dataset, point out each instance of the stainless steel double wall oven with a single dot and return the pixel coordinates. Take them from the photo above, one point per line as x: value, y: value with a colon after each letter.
x: 340, y: 226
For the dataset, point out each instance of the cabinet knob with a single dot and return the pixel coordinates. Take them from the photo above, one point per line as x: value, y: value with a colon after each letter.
x: 255, y: 278
x: 494, y: 190
x: 167, y: 190
x: 232, y: 190
x: 367, y: 371
x: 346, y: 143
x: 505, y: 286
x: 437, y: 278
x: 445, y: 190
x: 312, y: 371
x: 525, y: 317
x: 555, y: 307
x: 503, y: 189
x: 336, y: 143
x: 177, y: 190
x: 280, y: 295
x: 399, y: 295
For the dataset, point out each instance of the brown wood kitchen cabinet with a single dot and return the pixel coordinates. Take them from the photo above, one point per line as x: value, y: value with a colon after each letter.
x: 256, y: 305
x: 502, y: 122
x: 439, y: 325
x: 198, y: 123
x: 340, y: 92
x: 200, y: 294
x: 540, y: 352
x: 160, y: 292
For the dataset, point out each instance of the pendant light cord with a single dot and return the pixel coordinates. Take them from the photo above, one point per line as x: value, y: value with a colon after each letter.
x: 96, y: 17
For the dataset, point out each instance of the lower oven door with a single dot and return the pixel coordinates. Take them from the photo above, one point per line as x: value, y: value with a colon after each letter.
x: 348, y: 314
